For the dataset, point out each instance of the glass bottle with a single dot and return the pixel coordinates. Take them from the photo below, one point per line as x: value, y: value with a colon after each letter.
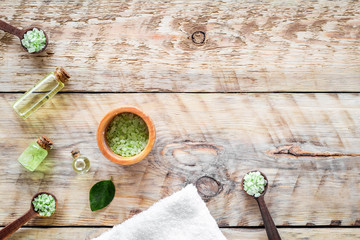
x: 80, y: 164
x: 35, y: 153
x: 44, y: 90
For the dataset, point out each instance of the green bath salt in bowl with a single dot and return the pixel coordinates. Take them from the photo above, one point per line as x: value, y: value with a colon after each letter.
x: 127, y: 134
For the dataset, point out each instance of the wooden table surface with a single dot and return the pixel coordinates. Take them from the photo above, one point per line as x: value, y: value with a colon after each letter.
x: 274, y: 86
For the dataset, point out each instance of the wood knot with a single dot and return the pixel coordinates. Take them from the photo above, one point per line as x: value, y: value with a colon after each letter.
x: 296, y: 151
x: 192, y: 155
x: 198, y: 37
x: 335, y: 223
x: 134, y: 212
x: 208, y: 186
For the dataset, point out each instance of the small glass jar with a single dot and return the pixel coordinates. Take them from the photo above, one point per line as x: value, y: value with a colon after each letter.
x: 35, y: 153
x: 80, y: 164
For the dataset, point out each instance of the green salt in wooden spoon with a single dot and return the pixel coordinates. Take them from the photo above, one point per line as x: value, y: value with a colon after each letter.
x: 9, y: 229
x: 270, y: 226
x: 20, y: 34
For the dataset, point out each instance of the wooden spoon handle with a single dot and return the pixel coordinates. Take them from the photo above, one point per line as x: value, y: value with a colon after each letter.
x: 11, y: 29
x: 270, y: 226
x: 15, y: 225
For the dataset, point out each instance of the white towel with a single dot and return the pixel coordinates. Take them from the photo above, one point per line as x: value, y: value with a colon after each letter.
x: 182, y: 216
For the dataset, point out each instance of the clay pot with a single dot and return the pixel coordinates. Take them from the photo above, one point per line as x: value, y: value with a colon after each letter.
x: 102, y: 142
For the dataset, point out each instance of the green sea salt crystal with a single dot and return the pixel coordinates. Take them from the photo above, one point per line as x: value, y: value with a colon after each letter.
x: 127, y: 135
x: 34, y: 40
x: 254, y: 183
x: 44, y: 204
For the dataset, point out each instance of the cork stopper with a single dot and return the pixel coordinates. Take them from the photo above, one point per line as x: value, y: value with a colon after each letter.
x: 75, y: 153
x: 62, y: 75
x: 45, y: 143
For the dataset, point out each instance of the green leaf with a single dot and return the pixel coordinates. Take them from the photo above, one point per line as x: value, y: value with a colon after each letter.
x: 101, y: 194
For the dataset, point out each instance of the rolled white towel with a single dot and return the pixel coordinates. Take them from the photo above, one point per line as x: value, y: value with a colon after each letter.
x: 181, y: 216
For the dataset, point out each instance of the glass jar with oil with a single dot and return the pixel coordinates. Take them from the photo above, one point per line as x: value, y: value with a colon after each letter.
x: 80, y: 164
x: 43, y: 91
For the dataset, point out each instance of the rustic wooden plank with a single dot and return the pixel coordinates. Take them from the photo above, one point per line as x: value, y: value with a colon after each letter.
x: 216, y: 136
x: 230, y: 233
x: 133, y: 46
x: 291, y: 233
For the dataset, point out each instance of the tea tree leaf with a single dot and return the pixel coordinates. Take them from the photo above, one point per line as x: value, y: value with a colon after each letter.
x: 101, y: 194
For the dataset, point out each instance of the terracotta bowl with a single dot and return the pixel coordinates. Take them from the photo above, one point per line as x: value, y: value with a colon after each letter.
x: 102, y: 142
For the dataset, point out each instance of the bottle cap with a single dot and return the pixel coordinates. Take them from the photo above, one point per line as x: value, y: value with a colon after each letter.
x: 62, y: 75
x: 75, y: 153
x: 45, y: 143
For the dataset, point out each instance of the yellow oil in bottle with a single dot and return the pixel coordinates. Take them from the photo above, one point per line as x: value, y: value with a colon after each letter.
x: 43, y: 91
x: 80, y: 164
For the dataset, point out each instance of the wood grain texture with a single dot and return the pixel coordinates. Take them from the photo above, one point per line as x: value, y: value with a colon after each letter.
x: 230, y: 234
x: 136, y: 46
x: 210, y: 140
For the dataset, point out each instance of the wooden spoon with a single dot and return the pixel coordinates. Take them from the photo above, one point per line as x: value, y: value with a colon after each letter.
x: 20, y: 33
x: 270, y: 226
x: 9, y: 229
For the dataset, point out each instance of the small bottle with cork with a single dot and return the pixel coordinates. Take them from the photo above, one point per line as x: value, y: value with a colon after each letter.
x: 43, y: 91
x: 80, y: 164
x: 35, y: 153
